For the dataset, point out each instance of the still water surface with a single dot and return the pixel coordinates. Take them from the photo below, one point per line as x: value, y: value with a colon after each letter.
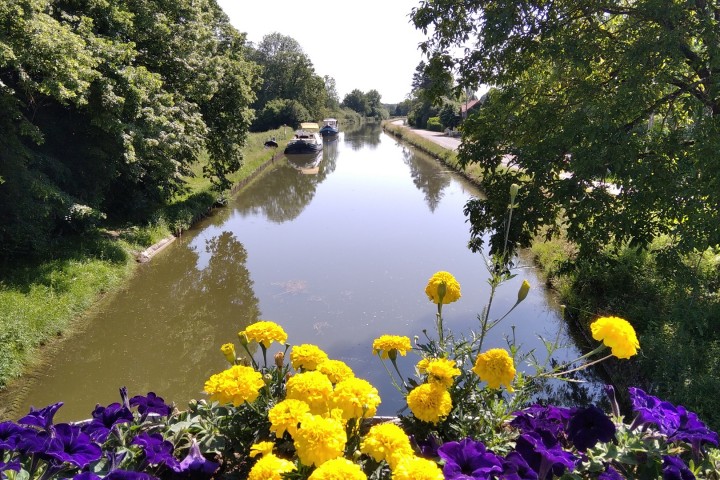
x: 338, y: 253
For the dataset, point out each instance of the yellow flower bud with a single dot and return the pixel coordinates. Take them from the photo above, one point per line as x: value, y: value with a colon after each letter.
x: 279, y: 359
x: 523, y: 292
x: 243, y: 338
x: 228, y: 350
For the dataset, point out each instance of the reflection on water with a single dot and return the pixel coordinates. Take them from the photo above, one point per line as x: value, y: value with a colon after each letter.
x: 337, y: 257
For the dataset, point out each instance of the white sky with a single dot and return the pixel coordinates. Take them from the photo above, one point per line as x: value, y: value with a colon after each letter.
x: 365, y: 45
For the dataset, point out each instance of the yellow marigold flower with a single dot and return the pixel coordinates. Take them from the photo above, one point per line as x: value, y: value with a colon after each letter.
x: 495, y: 367
x: 617, y: 334
x: 439, y: 370
x: 261, y: 448
x: 442, y: 287
x: 270, y: 467
x: 307, y: 357
x: 286, y: 415
x: 228, y: 349
x: 264, y: 332
x: 319, y: 439
x: 429, y: 402
x: 336, y: 370
x: 236, y: 385
x: 417, y: 468
x: 313, y: 388
x: 356, y: 397
x: 388, y: 346
x: 338, y: 469
x: 388, y: 442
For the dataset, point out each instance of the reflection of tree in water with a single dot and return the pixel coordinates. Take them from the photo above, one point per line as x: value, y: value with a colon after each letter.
x: 367, y: 134
x: 282, y: 195
x: 427, y: 176
x: 586, y: 389
x: 211, y: 305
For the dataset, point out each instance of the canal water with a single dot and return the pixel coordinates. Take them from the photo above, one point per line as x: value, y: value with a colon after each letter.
x: 338, y: 252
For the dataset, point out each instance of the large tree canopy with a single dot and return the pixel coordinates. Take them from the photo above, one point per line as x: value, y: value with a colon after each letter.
x: 609, y: 109
x: 288, y: 74
x: 105, y: 105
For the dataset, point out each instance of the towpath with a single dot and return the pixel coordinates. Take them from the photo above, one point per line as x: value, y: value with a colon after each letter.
x: 451, y: 143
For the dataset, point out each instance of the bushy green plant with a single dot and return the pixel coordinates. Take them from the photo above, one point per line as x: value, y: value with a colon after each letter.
x: 434, y: 124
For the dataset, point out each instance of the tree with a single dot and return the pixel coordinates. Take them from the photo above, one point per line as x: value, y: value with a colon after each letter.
x: 610, y: 112
x: 333, y: 99
x: 289, y: 74
x: 357, y: 100
x: 105, y: 106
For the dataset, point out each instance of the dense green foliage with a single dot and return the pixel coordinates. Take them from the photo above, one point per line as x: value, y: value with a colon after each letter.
x: 588, y: 92
x: 367, y: 104
x: 672, y: 303
x: 106, y: 106
x: 291, y: 91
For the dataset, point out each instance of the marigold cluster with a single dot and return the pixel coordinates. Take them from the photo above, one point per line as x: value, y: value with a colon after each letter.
x: 388, y: 442
x: 236, y: 385
x: 443, y: 288
x: 439, y: 370
x: 307, y: 357
x: 335, y: 370
x: 313, y: 388
x: 388, y: 346
x: 286, y: 415
x: 417, y: 468
x: 319, y: 439
x: 495, y: 367
x: 264, y: 332
x: 356, y: 397
x: 270, y: 467
x: 338, y: 469
x: 429, y: 402
x: 617, y: 334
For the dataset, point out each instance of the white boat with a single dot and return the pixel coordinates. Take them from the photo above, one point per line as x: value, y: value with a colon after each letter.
x: 330, y: 127
x: 306, y: 140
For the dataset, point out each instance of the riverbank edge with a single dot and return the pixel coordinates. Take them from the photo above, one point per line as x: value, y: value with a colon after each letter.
x: 42, y: 352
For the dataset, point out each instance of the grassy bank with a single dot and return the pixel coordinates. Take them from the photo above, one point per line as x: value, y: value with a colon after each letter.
x: 673, y: 303
x: 448, y: 157
x: 43, y: 301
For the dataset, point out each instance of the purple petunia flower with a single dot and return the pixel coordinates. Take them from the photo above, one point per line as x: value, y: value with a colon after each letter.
x: 68, y: 443
x: 104, y: 418
x: 516, y: 468
x: 544, y: 454
x: 127, y: 475
x: 9, y: 434
x: 157, y: 450
x: 677, y: 423
x: 115, y: 475
x: 675, y: 469
x: 588, y: 426
x: 150, y: 404
x: 13, y: 465
x: 610, y: 474
x: 41, y: 418
x: 31, y: 441
x: 469, y: 459
x: 194, y: 465
x: 552, y: 419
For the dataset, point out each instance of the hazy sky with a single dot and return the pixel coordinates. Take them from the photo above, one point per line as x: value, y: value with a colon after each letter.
x: 366, y: 45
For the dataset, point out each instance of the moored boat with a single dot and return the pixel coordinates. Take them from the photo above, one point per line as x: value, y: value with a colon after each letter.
x: 330, y: 127
x: 306, y: 140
